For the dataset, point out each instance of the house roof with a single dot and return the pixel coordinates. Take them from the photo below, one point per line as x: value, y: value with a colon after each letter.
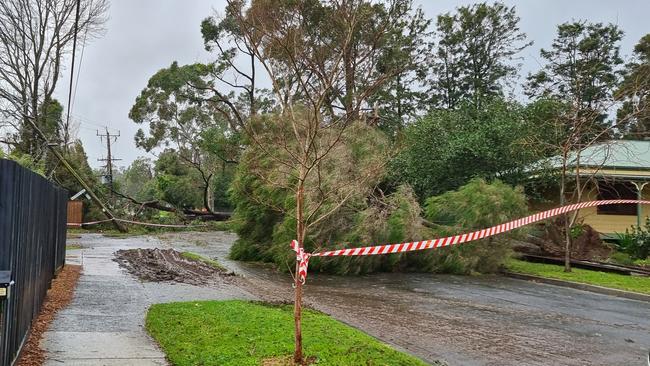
x: 615, y: 154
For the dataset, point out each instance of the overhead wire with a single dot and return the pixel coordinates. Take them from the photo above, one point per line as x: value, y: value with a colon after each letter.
x: 81, y: 58
x: 74, y: 49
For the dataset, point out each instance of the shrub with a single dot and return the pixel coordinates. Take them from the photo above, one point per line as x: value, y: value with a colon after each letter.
x: 636, y: 241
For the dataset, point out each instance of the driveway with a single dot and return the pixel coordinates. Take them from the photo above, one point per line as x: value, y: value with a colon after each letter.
x: 483, y: 320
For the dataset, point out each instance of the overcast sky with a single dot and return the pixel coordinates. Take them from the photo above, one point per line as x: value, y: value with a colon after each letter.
x: 144, y: 36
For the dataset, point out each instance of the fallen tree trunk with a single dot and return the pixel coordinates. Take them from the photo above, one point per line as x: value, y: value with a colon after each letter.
x: 158, y: 205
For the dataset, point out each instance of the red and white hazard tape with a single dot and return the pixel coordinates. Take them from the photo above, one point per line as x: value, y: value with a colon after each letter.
x: 303, y: 257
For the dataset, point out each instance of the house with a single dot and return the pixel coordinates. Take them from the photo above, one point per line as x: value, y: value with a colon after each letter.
x: 614, y: 169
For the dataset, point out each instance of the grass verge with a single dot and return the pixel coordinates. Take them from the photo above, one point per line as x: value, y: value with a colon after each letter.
x: 199, y: 258
x: 250, y: 333
x: 73, y: 247
x: 604, y: 279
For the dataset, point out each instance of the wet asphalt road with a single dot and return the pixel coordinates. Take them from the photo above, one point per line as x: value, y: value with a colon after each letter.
x: 484, y: 320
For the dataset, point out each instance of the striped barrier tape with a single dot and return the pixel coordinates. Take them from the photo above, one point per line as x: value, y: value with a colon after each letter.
x: 303, y: 257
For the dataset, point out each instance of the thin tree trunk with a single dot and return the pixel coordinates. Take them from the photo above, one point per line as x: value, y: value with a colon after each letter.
x: 300, y: 236
x: 297, y: 314
x: 567, y: 243
x: 567, y: 229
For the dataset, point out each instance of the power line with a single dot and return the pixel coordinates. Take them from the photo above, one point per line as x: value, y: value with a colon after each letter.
x: 74, y: 49
x: 81, y: 59
x: 75, y: 174
x: 87, y: 121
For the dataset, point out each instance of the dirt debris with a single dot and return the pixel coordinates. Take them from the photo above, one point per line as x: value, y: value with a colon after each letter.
x: 168, y: 265
x: 58, y: 297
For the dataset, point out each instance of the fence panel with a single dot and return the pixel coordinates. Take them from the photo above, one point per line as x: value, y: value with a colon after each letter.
x: 32, y: 247
x: 75, y: 212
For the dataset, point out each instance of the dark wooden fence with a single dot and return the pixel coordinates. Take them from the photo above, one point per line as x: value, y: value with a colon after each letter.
x: 32, y: 247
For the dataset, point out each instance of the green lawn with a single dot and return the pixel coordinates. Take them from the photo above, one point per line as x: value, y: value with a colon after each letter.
x: 611, y: 280
x: 200, y: 258
x: 243, y: 333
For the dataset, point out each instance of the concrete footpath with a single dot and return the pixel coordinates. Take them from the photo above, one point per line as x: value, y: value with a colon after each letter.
x: 104, y: 324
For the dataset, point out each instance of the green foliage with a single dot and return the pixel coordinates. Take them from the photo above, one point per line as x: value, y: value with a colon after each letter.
x: 175, y: 105
x: 475, y: 206
x: 642, y: 262
x: 634, y: 90
x: 264, y: 186
x: 406, y: 44
x: 447, y: 148
x: 175, y: 182
x: 581, y: 69
x: 75, y: 154
x: 48, y: 118
x: 137, y: 180
x: 24, y: 160
x: 241, y: 333
x: 254, y: 217
x: 636, y: 241
x: 264, y: 234
x: 348, y: 54
x: 604, y: 279
x: 394, y: 219
x: 473, y: 59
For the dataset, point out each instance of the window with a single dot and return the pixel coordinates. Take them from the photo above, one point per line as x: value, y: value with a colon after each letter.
x: 615, y: 191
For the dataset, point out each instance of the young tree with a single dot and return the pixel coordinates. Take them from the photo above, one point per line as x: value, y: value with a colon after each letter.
x: 473, y: 58
x: 35, y: 35
x: 581, y: 74
x: 325, y: 61
x: 322, y: 60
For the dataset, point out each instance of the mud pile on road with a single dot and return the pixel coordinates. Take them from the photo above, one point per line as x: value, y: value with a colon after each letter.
x: 168, y: 265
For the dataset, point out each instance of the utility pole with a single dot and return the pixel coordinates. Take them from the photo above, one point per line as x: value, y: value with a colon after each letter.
x: 74, y: 173
x: 109, y: 158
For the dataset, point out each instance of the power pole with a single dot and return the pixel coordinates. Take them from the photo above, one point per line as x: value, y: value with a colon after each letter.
x: 109, y: 158
x: 74, y: 173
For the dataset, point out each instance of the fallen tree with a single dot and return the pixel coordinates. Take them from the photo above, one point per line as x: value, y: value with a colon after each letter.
x: 185, y: 212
